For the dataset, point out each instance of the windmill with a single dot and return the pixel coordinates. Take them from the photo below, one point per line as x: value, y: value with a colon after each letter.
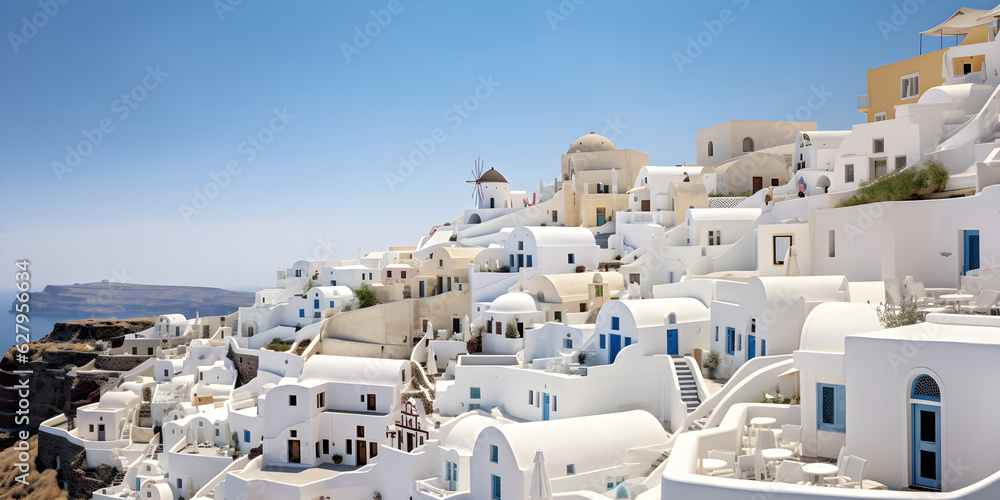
x: 477, y: 188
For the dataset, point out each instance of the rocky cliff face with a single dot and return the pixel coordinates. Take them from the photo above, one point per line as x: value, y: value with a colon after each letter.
x: 52, y: 390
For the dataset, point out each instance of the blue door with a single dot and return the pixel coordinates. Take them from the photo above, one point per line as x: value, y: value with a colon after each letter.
x: 751, y: 346
x: 971, y: 252
x: 137, y: 479
x: 512, y: 262
x: 421, y: 288
x: 520, y: 260
x: 616, y: 345
x: 451, y: 474
x: 672, y: 342
x: 545, y: 406
x: 926, y: 428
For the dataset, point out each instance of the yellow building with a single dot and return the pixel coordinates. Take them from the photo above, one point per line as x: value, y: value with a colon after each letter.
x: 903, y: 82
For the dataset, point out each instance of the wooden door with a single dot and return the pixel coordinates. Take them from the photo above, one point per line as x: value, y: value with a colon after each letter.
x: 758, y: 184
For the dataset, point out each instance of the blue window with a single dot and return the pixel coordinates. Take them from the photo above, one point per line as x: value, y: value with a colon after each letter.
x: 302, y: 313
x: 333, y: 282
x: 520, y: 245
x: 180, y: 483
x: 496, y: 487
x: 614, y: 322
x: 763, y: 348
x: 716, y: 334
x: 447, y: 471
x: 730, y: 340
x: 603, y: 342
x: 529, y: 260
x: 831, y: 408
x: 571, y: 258
x: 494, y: 454
x: 474, y: 393
x: 925, y: 387
x: 628, y: 341
x: 246, y: 436
x: 331, y: 304
x: 315, y: 303
x: 568, y: 343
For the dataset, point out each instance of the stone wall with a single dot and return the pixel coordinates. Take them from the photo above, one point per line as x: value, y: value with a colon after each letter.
x: 69, y: 461
x: 246, y: 366
x: 119, y: 362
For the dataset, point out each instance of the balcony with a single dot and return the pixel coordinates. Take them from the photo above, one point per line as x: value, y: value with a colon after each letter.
x: 864, y: 105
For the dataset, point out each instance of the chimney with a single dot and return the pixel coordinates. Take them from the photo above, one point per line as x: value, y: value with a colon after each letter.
x: 591, y: 131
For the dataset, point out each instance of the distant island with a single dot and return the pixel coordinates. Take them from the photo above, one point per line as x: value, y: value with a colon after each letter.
x: 122, y: 300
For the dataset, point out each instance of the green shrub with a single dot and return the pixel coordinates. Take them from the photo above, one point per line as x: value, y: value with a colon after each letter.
x: 900, y: 185
x: 711, y: 362
x: 366, y: 296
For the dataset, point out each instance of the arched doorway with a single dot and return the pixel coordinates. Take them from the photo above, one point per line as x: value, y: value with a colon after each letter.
x: 249, y: 328
x: 823, y: 183
x: 925, y: 432
x: 475, y: 219
x: 747, y: 145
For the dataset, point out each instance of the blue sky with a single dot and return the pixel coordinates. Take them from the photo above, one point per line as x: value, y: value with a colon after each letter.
x: 333, y: 111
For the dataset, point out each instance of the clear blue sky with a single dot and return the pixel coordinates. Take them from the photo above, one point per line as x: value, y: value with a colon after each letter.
x: 321, y: 178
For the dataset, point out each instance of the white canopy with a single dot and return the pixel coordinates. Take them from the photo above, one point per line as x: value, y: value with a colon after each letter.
x: 991, y: 14
x: 961, y: 22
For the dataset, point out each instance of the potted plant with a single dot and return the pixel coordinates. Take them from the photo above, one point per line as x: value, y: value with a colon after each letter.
x: 711, y: 362
x: 337, y: 458
x: 581, y: 357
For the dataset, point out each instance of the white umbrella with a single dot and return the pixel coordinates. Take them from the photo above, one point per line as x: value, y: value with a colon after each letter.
x: 792, y: 262
x: 540, y: 487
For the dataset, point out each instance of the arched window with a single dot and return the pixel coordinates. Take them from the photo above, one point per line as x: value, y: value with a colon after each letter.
x: 711, y: 148
x: 925, y: 387
x: 672, y: 319
x: 747, y: 145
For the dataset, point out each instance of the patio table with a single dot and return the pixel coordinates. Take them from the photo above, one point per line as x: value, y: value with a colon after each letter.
x: 818, y: 471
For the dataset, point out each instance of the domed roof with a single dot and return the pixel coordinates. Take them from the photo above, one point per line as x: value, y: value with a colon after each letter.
x: 514, y: 302
x: 492, y: 175
x: 590, y: 143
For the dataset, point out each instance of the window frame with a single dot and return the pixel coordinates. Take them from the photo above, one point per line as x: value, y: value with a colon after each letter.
x: 774, y: 248
x: 912, y: 88
x: 839, y: 423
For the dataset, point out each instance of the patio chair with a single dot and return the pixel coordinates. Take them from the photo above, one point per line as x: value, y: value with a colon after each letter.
x: 791, y: 438
x: 765, y: 439
x: 840, y: 459
x: 854, y: 468
x: 729, y: 457
x: 985, y: 303
x: 789, y: 472
x: 915, y: 290
x: 745, y: 467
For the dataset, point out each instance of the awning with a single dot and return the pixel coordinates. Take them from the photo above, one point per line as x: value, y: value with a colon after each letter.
x: 991, y: 14
x: 961, y: 22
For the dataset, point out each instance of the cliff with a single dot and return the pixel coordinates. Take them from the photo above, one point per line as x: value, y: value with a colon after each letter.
x: 123, y: 300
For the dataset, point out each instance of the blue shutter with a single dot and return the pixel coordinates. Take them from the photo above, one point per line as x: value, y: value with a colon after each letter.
x: 841, y: 422
x: 763, y: 348
x: 603, y: 342
x: 447, y: 471
x: 529, y: 260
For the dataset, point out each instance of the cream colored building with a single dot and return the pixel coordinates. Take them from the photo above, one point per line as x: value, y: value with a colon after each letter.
x: 596, y: 175
x: 446, y: 270
x: 568, y: 298
x: 725, y: 141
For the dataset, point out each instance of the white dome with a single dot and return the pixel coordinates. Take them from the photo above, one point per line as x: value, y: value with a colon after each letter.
x: 514, y: 302
x: 590, y: 143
